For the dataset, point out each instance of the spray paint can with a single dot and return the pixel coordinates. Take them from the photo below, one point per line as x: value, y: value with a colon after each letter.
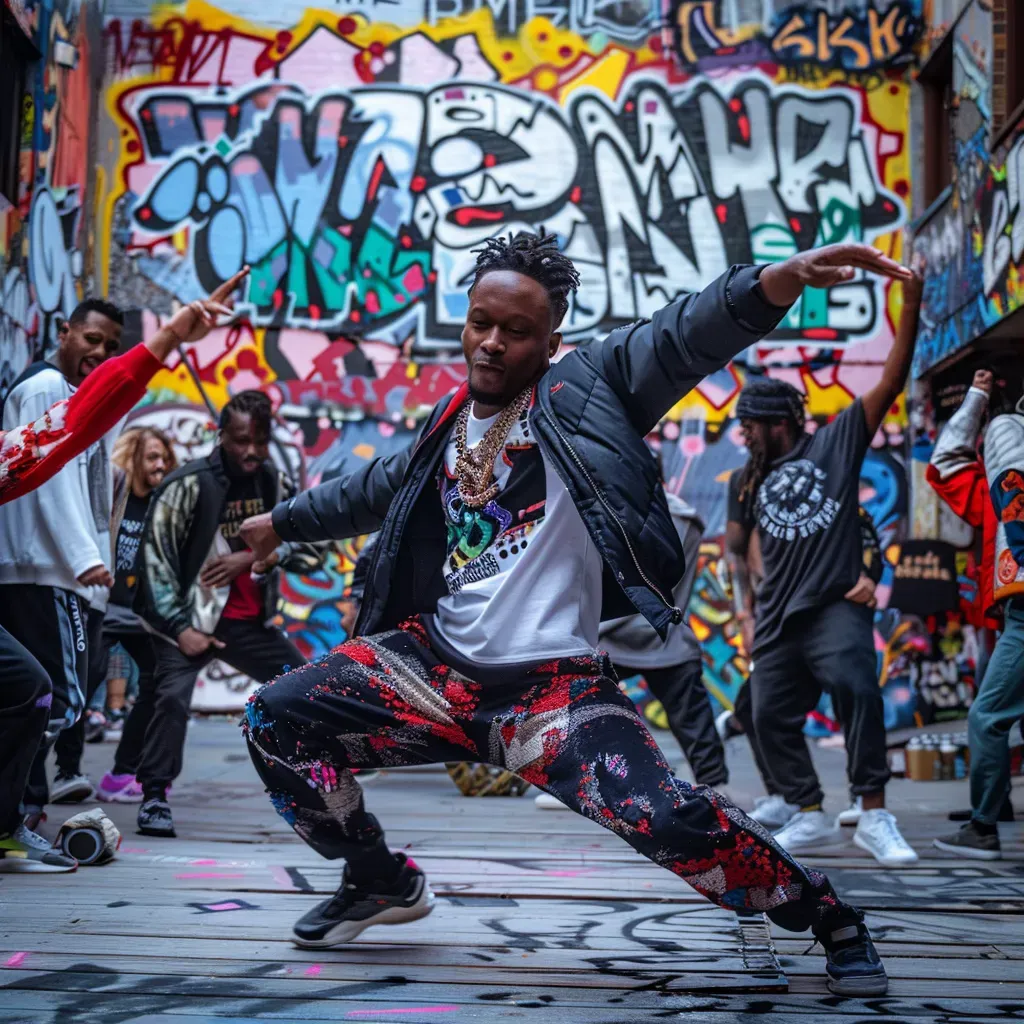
x: 947, y: 760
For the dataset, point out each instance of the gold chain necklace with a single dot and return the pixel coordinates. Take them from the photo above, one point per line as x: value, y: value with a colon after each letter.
x: 474, y: 467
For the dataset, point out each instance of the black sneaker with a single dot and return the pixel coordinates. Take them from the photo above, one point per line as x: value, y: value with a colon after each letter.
x: 155, y: 819
x: 970, y: 841
x: 853, y: 965
x: 1005, y: 813
x: 70, y: 788
x: 341, y: 918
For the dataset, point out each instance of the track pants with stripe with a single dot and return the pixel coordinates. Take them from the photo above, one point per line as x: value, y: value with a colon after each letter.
x: 50, y: 623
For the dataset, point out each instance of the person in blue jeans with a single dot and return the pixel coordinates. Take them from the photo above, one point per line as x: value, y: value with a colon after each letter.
x: 1000, y: 699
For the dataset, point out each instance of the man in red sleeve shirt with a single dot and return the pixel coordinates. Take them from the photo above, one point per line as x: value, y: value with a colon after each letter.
x: 30, y: 455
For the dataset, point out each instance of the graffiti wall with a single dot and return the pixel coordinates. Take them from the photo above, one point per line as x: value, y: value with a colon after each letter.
x: 355, y: 155
x: 42, y: 235
x: 974, y: 242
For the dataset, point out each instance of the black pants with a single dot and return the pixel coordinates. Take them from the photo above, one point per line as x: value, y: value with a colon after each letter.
x: 25, y: 697
x: 743, y: 712
x: 139, y: 646
x: 690, y: 717
x: 70, y: 743
x: 50, y: 623
x: 250, y: 647
x: 562, y: 725
x: 832, y: 649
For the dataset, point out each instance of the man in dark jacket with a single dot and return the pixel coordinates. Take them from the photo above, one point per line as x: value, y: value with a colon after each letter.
x: 528, y: 509
x: 196, y: 589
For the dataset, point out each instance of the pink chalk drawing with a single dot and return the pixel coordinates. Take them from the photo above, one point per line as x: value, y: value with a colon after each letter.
x: 209, y: 874
x: 17, y: 960
x: 312, y: 970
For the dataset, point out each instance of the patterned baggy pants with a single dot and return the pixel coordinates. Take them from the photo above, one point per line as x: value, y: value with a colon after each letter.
x: 387, y: 700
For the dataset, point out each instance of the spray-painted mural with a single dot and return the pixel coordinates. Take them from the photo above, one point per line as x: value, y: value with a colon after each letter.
x: 974, y: 242
x: 355, y: 156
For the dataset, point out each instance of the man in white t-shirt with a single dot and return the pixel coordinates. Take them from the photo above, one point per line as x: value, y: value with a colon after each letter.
x: 528, y: 510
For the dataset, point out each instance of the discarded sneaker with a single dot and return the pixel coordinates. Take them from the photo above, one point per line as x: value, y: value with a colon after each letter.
x: 353, y: 908
x: 807, y: 830
x: 70, y: 788
x: 155, y: 819
x: 971, y: 841
x: 25, y: 852
x: 119, y: 789
x: 853, y: 965
x: 878, y: 833
x: 772, y: 812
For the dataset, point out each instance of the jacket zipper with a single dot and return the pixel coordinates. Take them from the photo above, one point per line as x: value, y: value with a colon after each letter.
x: 618, y: 522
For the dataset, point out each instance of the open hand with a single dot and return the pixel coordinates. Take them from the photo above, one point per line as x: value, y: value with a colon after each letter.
x: 863, y: 592
x: 220, y: 571
x: 193, y: 322
x: 783, y: 283
x: 97, y: 576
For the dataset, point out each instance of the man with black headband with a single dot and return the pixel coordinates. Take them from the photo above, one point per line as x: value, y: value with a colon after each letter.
x: 528, y: 510
x: 814, y: 607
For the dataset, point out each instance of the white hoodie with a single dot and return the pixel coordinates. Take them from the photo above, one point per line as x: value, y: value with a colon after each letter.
x: 52, y: 535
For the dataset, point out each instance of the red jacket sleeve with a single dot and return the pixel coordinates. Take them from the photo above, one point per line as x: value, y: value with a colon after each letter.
x: 32, y: 453
x: 966, y: 492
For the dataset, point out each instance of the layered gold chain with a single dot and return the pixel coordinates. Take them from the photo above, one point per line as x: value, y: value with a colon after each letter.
x: 474, y: 467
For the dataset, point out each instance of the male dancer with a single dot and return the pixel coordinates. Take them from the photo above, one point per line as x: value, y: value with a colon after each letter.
x: 196, y: 591
x: 528, y: 509
x: 989, y: 493
x: 30, y: 455
x: 814, y: 611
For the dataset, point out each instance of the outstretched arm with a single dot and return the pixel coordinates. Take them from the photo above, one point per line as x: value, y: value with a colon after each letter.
x: 879, y: 399
x: 654, y: 364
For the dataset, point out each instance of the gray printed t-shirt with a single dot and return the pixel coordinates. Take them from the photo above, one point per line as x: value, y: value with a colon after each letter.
x: 808, y: 523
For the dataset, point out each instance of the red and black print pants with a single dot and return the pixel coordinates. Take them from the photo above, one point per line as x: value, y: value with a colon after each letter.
x: 387, y: 700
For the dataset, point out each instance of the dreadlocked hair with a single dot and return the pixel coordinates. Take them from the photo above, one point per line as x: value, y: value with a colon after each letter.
x: 768, y: 400
x: 534, y: 256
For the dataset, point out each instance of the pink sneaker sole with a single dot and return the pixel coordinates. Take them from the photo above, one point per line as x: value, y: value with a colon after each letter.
x: 130, y: 793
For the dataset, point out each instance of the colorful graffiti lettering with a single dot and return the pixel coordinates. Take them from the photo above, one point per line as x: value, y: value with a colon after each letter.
x: 855, y: 38
x: 359, y: 207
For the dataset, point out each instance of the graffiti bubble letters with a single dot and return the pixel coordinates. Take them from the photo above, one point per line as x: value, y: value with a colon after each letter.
x: 360, y: 210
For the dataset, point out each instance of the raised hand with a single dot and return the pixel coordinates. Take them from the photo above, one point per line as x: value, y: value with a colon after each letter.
x: 983, y: 381
x: 193, y: 322
x: 783, y: 283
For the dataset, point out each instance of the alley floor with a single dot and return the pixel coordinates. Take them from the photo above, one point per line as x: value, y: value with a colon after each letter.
x: 541, y: 916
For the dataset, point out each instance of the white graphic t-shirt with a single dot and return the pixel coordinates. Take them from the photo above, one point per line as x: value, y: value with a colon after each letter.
x: 523, y: 576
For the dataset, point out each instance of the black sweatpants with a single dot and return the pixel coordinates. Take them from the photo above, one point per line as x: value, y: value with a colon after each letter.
x: 25, y: 697
x: 828, y: 649
x: 51, y: 624
x: 562, y: 725
x: 250, y: 647
x: 138, y: 644
x: 140, y: 647
x: 691, y: 717
x: 70, y: 743
x: 743, y: 712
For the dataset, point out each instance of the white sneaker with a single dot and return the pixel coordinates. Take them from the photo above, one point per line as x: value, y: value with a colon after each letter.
x: 772, y: 811
x: 807, y: 830
x: 547, y: 802
x: 851, y: 816
x: 878, y: 833
x: 722, y: 725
